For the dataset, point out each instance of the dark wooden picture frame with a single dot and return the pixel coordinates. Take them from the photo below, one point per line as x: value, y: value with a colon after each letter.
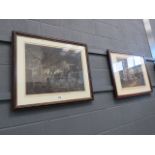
x: 24, y: 90
x: 135, y: 83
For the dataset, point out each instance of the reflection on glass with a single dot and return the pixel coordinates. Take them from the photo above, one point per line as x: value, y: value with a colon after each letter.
x: 138, y: 60
x: 117, y: 66
x: 134, y: 61
x: 130, y: 71
x: 131, y: 62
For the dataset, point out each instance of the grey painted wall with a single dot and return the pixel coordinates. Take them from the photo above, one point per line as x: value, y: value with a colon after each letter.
x: 104, y: 115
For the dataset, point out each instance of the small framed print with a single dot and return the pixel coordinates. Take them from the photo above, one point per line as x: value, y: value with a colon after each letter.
x: 49, y: 71
x: 129, y: 74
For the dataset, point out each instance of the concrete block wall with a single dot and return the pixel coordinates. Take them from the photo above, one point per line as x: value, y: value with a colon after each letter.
x: 104, y: 115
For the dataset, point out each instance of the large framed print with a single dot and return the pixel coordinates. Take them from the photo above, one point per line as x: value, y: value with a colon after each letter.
x: 49, y: 71
x: 129, y: 74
